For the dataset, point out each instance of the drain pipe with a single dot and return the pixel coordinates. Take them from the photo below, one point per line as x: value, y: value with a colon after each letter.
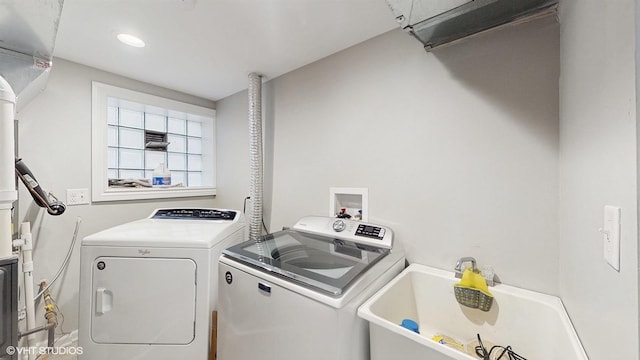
x: 255, y: 155
x: 27, y: 270
x: 8, y: 193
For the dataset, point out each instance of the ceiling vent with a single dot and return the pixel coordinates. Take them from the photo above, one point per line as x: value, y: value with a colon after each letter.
x: 28, y: 31
x: 438, y: 22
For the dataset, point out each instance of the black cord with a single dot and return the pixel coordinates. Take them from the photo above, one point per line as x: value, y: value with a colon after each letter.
x: 481, y: 351
x: 244, y: 210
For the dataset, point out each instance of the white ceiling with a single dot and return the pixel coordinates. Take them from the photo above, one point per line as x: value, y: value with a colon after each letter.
x: 208, y: 47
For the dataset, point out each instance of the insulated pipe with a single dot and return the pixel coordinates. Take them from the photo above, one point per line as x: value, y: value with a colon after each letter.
x: 8, y: 193
x: 255, y: 156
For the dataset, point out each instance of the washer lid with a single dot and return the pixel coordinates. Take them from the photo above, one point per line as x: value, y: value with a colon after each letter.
x: 179, y: 231
x: 320, y: 262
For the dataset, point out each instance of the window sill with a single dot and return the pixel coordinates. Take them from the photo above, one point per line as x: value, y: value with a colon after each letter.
x: 123, y: 194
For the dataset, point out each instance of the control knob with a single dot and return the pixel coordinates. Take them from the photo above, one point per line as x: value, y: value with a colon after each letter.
x: 339, y: 225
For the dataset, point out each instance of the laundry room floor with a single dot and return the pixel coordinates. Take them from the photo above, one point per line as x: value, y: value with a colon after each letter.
x: 63, y: 355
x: 58, y: 357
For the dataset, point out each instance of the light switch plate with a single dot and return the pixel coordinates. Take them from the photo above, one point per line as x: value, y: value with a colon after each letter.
x: 611, y: 236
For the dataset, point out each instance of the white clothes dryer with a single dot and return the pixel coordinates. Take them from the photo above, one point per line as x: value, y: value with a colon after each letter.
x: 294, y: 294
x: 148, y: 287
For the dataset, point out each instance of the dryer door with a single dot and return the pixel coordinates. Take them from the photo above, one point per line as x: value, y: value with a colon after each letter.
x: 143, y: 300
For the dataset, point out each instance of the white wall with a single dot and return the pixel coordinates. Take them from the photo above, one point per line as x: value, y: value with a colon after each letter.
x: 233, y: 151
x: 598, y: 167
x: 55, y: 142
x: 458, y: 147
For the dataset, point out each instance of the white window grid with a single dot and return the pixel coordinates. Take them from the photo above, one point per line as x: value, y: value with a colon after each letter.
x: 128, y: 158
x: 108, y: 101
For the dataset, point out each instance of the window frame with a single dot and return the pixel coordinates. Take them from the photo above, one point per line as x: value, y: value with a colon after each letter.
x: 100, y: 190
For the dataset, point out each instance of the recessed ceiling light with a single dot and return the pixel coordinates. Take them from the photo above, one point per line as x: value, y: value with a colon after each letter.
x: 131, y: 40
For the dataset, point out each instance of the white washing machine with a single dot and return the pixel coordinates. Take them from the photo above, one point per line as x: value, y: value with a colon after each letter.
x: 294, y: 294
x: 148, y: 287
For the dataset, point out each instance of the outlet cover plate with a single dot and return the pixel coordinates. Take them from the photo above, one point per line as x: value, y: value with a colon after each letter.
x: 77, y: 197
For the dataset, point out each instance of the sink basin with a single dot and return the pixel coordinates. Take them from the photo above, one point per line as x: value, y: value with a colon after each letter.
x: 535, y: 325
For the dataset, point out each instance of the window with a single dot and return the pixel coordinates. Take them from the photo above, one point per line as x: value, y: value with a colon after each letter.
x: 134, y: 133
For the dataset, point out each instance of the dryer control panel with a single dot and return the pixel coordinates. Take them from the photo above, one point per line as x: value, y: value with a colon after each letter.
x: 345, y: 229
x: 194, y: 214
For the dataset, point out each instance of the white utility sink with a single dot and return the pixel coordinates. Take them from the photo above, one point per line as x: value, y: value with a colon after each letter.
x: 535, y: 325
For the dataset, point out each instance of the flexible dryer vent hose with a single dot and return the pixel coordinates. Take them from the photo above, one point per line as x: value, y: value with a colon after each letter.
x: 255, y: 156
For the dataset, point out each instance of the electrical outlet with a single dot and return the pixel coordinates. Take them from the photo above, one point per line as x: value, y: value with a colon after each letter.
x: 77, y: 197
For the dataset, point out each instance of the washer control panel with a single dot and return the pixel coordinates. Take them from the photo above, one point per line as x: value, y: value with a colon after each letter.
x: 194, y: 214
x: 346, y: 229
x: 371, y: 231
